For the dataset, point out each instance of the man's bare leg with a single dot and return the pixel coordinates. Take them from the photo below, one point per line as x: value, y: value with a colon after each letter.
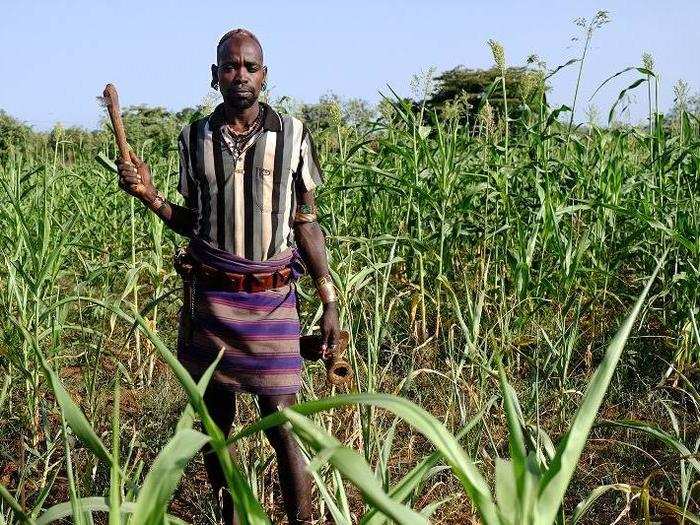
x: 295, y: 481
x: 222, y: 408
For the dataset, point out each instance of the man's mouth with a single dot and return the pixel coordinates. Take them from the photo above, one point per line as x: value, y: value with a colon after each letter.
x: 240, y: 91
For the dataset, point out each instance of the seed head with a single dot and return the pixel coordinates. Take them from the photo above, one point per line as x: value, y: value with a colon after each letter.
x: 499, y: 55
x: 600, y: 19
x: 681, y: 90
x: 422, y: 83
x: 335, y: 113
x: 486, y: 118
x: 592, y: 114
x: 535, y: 60
x: 648, y: 61
x: 531, y: 83
x: 209, y: 102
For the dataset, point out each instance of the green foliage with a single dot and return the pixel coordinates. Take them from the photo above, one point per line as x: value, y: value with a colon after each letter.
x: 153, y: 128
x: 471, y: 265
x: 524, y: 86
x: 331, y: 110
x: 13, y: 135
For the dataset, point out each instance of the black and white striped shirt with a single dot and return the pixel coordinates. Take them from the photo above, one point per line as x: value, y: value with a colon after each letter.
x: 246, y: 205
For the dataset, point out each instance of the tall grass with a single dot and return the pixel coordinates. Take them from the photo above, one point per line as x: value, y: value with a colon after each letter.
x: 470, y: 266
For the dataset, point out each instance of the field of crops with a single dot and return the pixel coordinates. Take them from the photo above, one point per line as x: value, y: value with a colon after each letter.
x: 523, y: 309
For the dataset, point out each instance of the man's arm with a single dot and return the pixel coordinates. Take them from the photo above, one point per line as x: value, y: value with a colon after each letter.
x: 178, y: 218
x: 135, y: 179
x: 311, y: 243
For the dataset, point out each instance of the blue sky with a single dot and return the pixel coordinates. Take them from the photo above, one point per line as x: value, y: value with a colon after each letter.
x: 57, y: 56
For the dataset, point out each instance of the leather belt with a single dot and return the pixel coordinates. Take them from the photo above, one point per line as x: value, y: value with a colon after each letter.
x: 210, y: 277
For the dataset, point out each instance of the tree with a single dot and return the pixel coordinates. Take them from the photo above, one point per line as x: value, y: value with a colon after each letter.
x: 524, y: 86
x: 331, y: 110
x: 13, y: 134
x: 154, y: 128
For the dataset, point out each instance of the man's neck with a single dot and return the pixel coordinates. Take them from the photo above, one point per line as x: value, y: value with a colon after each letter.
x: 240, y: 119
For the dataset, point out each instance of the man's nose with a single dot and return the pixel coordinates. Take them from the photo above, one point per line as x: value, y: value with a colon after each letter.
x: 242, y: 76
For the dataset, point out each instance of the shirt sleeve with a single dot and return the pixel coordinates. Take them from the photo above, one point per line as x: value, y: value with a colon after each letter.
x: 186, y: 184
x: 308, y: 174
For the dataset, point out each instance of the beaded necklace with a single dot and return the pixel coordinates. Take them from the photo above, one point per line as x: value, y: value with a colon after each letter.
x: 237, y: 141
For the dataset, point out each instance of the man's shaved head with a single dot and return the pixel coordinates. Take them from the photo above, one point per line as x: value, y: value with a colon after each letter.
x: 238, y: 33
x: 239, y: 72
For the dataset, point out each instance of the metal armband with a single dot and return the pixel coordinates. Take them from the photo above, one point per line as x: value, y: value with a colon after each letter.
x: 300, y: 217
x: 326, y: 290
x: 304, y: 213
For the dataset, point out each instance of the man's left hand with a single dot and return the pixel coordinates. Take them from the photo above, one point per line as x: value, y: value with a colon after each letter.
x: 330, y: 328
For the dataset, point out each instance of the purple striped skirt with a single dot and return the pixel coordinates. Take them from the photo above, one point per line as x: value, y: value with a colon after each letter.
x: 259, y: 332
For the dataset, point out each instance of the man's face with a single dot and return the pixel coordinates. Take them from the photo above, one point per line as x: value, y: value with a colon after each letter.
x: 240, y: 71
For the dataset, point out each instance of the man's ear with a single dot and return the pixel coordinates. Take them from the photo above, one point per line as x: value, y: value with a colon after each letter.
x: 214, y: 76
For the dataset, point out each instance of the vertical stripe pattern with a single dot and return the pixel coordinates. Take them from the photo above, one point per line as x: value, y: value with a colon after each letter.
x: 245, y: 206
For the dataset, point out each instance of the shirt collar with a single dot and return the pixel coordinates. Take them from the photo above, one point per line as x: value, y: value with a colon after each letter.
x: 272, y: 121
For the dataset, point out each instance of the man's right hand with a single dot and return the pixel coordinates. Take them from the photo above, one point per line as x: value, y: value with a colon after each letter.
x: 135, y: 178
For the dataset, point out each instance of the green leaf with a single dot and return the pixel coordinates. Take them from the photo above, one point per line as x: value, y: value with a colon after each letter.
x: 516, y: 439
x: 621, y: 72
x: 430, y: 508
x: 506, y: 491
x: 248, y: 508
x: 92, y: 504
x: 187, y: 418
x: 164, y: 476
x: 402, y: 490
x: 561, y: 469
x: 621, y: 96
x: 659, y: 434
x: 19, y: 514
x: 596, y: 493
x: 115, y: 476
x: 353, y: 466
x: 75, y: 418
x: 106, y: 162
x: 425, y: 423
x: 568, y: 63
x: 669, y: 508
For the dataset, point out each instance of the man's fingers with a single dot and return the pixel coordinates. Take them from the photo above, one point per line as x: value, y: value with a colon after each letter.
x: 134, y: 159
x: 329, y: 344
x: 129, y: 182
x: 131, y: 179
x: 332, y: 341
x: 125, y: 165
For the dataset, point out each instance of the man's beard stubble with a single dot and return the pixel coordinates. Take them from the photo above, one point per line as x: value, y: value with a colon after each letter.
x: 235, y: 100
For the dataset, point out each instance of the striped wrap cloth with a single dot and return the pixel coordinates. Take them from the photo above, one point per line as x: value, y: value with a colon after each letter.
x: 259, y: 331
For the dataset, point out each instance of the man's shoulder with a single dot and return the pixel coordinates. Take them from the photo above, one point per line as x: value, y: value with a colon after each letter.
x: 193, y: 125
x: 289, y: 120
x: 294, y: 124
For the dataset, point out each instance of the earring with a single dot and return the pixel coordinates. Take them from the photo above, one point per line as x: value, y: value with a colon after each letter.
x: 264, y: 86
x: 215, y: 85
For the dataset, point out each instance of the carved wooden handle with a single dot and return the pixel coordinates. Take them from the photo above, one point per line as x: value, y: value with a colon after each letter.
x: 111, y: 100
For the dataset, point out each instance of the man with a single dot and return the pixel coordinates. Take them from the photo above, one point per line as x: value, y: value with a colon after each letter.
x: 247, y: 175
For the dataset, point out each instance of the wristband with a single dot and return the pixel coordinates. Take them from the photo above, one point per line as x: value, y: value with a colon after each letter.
x: 157, y: 202
x: 326, y: 290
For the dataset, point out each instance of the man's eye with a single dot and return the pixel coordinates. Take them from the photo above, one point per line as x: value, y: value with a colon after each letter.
x: 228, y: 67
